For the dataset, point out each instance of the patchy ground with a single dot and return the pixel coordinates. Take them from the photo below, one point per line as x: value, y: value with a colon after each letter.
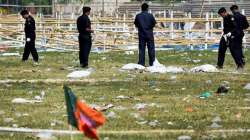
x: 142, y: 101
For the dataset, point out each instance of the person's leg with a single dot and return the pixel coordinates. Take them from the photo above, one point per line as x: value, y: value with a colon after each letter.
x: 88, y: 43
x: 26, y: 52
x: 151, y: 51
x: 142, y: 45
x: 236, y: 51
x: 33, y: 50
x: 81, y: 46
x: 221, y: 53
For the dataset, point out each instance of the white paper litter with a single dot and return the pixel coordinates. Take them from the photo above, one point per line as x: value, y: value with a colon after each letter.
x: 140, y: 106
x: 204, y: 68
x: 133, y: 66
x: 23, y: 101
x: 111, y: 115
x: 172, y: 69
x: 247, y: 86
x: 10, y: 54
x: 157, y: 67
x: 80, y: 74
x: 184, y: 137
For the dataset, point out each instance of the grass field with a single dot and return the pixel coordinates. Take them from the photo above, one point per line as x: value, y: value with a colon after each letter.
x: 170, y: 101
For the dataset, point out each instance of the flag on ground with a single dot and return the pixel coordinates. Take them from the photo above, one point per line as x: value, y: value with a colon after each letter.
x: 82, y: 116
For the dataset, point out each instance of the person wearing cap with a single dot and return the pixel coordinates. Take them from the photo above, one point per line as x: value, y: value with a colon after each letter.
x: 229, y: 32
x: 242, y: 24
x: 30, y: 36
x: 145, y: 22
x: 85, y: 39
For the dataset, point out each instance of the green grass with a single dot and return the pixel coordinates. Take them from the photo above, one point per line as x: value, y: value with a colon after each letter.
x: 174, y: 97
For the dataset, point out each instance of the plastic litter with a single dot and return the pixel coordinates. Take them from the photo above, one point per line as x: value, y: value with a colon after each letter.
x: 8, y: 120
x: 222, y: 89
x: 153, y: 123
x: 140, y: 106
x: 216, y: 119
x: 133, y: 66
x: 184, y: 137
x: 157, y: 68
x: 215, y: 125
x: 204, y: 68
x: 247, y: 86
x: 46, y: 136
x: 80, y: 74
x: 111, y: 115
x: 23, y: 101
x: 205, y: 95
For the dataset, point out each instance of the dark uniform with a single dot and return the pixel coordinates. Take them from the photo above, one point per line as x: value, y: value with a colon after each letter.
x: 145, y: 22
x: 30, y: 35
x: 241, y: 24
x: 85, y: 41
x: 229, y: 26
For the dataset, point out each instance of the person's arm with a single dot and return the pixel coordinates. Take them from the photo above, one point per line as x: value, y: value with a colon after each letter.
x: 246, y: 24
x: 153, y: 21
x: 88, y: 27
x: 136, y: 22
x: 31, y: 29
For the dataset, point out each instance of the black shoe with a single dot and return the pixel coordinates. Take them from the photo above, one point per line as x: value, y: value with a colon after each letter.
x: 84, y: 65
x: 219, y: 67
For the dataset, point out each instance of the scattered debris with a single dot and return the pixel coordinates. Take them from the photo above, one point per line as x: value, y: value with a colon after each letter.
x: 196, y: 61
x: 46, y: 136
x: 209, y: 82
x: 216, y: 119
x: 222, y: 89
x: 8, y: 120
x: 184, y: 137
x: 157, y: 68
x: 153, y: 123
x: 140, y: 106
x: 23, y: 101
x: 173, y: 77
x: 238, y: 115
x: 129, y: 52
x: 172, y: 69
x: 170, y: 123
x: 120, y: 108
x: 204, y: 68
x: 189, y: 109
x: 205, y: 95
x: 122, y: 97
x: 247, y: 86
x: 215, y: 125
x: 132, y: 66
x: 106, y: 107
x: 111, y: 115
x: 10, y: 54
x: 81, y: 73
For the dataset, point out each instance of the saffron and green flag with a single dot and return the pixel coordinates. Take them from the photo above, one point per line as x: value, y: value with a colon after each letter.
x: 81, y: 116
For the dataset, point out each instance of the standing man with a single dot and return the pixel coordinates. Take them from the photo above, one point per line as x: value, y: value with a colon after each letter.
x: 229, y: 33
x: 242, y: 24
x: 85, y: 41
x: 145, y: 22
x: 30, y: 36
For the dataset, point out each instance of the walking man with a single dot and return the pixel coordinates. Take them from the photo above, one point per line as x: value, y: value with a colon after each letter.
x: 229, y: 33
x: 145, y: 22
x: 30, y: 36
x: 241, y: 25
x: 85, y: 41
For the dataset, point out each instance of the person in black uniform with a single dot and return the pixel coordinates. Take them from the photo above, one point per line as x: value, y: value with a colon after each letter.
x: 229, y: 32
x: 242, y: 24
x: 85, y: 41
x: 145, y: 22
x: 30, y: 36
